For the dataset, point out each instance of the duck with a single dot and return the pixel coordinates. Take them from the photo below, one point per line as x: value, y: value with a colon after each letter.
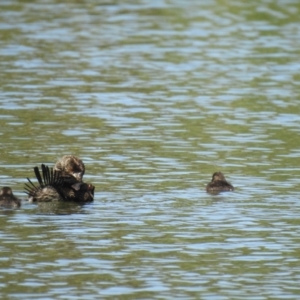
x: 218, y: 184
x: 71, y: 168
x: 52, y: 187
x: 8, y: 199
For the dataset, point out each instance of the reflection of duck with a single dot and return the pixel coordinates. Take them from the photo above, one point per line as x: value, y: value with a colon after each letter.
x: 52, y: 187
x: 71, y: 168
x: 218, y: 184
x: 8, y: 199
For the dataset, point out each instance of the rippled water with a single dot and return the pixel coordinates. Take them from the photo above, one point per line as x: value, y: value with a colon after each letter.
x: 154, y: 96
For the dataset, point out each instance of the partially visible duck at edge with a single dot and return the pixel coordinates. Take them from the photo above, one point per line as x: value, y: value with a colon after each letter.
x: 52, y: 187
x: 8, y: 199
x: 218, y: 184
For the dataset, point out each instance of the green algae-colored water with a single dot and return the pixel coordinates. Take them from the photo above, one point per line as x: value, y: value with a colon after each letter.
x: 154, y: 96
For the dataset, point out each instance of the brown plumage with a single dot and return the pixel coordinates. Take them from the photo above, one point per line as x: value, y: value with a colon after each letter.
x: 52, y: 187
x: 8, y: 199
x: 218, y: 184
x: 79, y: 192
x: 49, y: 188
x: 71, y: 168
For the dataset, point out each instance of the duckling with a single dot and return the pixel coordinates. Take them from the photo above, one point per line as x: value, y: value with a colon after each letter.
x: 8, y: 199
x: 218, y: 184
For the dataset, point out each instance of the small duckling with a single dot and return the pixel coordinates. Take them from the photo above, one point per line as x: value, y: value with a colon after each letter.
x: 71, y: 168
x: 218, y: 184
x: 8, y: 199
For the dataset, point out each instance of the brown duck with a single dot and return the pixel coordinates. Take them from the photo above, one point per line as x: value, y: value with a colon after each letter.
x: 52, y: 187
x: 218, y: 184
x: 8, y: 199
x: 72, y: 169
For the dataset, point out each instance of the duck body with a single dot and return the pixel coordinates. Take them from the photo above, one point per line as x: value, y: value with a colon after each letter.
x: 79, y: 192
x: 72, y: 169
x: 218, y: 184
x: 8, y: 199
x: 53, y: 186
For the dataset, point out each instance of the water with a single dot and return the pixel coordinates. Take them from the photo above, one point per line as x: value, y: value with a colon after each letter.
x: 154, y: 96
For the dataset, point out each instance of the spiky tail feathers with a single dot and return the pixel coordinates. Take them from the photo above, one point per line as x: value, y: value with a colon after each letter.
x: 49, y: 188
